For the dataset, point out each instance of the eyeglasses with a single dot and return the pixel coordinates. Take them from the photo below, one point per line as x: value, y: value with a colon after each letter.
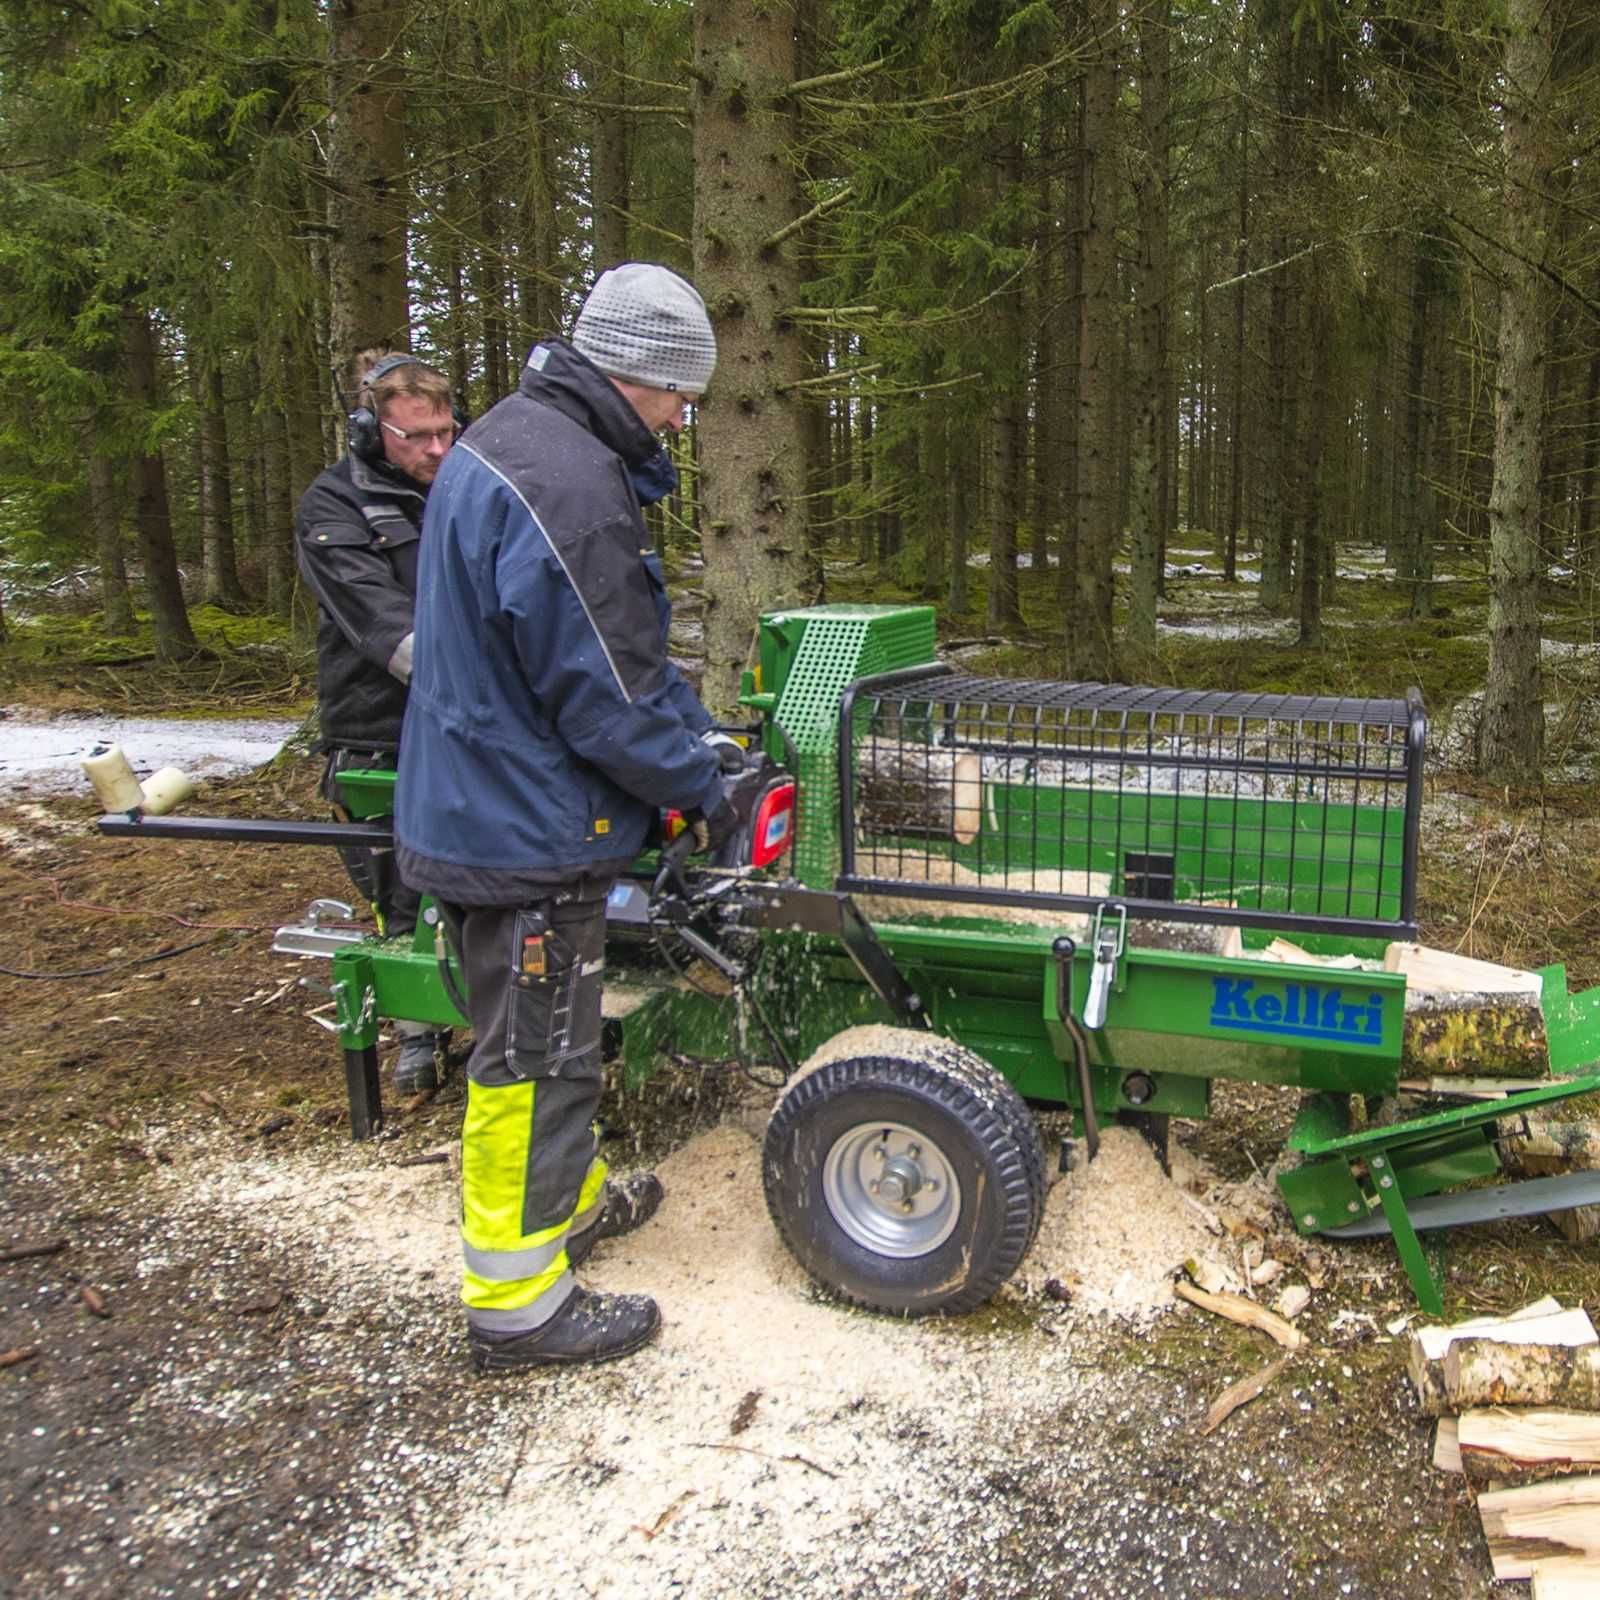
x: 422, y: 435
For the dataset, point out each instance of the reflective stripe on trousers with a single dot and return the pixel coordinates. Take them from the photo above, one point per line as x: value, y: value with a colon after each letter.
x: 529, y: 1168
x: 513, y: 1281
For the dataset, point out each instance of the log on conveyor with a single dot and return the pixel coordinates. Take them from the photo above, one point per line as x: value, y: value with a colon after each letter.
x: 1465, y: 1017
x: 1501, y: 1445
x: 1543, y: 1322
x: 1541, y: 1522
x: 1487, y: 1372
x: 918, y: 790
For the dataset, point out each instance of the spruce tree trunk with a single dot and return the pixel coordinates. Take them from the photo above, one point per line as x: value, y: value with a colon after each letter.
x: 1512, y: 729
x: 752, y: 441
x: 175, y: 640
x: 116, y: 602
x: 1088, y: 624
x: 219, y: 563
x: 609, y: 152
x: 367, y: 205
x: 1146, y: 382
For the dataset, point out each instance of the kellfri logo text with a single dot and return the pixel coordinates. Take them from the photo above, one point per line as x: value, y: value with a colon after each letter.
x: 1296, y: 1010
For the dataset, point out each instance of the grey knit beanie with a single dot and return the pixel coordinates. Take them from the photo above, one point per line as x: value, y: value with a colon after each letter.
x: 644, y: 324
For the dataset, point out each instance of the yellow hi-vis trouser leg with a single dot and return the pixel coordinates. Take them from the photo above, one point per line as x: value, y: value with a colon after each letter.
x: 529, y: 1166
x: 513, y: 1280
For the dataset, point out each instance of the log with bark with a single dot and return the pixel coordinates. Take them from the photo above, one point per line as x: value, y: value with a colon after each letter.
x: 918, y: 790
x: 1543, y: 1322
x: 1541, y: 1522
x: 1502, y: 1445
x: 1487, y: 1372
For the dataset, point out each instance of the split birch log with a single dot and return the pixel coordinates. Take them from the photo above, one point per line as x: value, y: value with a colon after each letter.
x: 1237, y: 1309
x: 1541, y: 1323
x: 1540, y: 1522
x: 1444, y: 972
x: 1465, y: 1016
x: 1447, y: 1446
x: 1499, y: 1445
x: 1485, y: 1372
x: 1566, y: 1578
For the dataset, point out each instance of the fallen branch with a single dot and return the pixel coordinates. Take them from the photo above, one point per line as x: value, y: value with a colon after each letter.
x: 666, y: 1516
x: 25, y: 1252
x: 1240, y: 1394
x: 14, y: 1358
x: 93, y: 1301
x: 744, y: 1449
x: 1237, y: 1309
x: 434, y: 1158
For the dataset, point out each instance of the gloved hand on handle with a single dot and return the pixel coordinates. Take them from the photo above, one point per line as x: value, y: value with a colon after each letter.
x: 730, y: 754
x: 712, y: 829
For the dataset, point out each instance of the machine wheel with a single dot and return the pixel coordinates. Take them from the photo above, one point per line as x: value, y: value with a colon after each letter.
x: 904, y: 1172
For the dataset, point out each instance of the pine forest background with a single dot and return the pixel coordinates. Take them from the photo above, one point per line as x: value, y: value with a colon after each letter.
x: 1013, y: 297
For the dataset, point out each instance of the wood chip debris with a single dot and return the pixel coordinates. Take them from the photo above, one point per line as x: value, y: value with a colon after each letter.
x: 666, y: 1516
x: 93, y: 1301
x: 15, y: 1357
x: 1241, y: 1394
x: 745, y: 1411
x: 25, y: 1252
x: 1237, y: 1309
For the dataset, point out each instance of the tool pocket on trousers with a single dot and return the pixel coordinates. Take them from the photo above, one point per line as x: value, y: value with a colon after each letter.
x: 545, y: 973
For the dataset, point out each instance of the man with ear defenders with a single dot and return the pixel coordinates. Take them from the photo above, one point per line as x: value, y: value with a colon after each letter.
x: 356, y: 540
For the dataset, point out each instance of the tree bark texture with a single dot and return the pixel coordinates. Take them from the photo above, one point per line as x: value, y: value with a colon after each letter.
x: 1146, y: 381
x: 752, y: 441
x: 368, y: 210
x: 116, y: 603
x: 1088, y: 623
x: 163, y: 588
x: 221, y: 584
x: 1483, y: 1372
x: 1512, y: 732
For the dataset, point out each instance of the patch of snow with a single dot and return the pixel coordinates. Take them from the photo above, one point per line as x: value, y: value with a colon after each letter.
x: 46, y: 755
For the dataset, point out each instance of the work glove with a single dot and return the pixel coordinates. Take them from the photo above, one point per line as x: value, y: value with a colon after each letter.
x: 714, y: 828
x: 729, y: 752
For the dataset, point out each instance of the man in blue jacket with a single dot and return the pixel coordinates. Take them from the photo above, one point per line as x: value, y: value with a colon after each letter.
x: 545, y: 727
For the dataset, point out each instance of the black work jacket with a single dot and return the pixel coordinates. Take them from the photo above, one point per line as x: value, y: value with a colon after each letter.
x: 356, y: 542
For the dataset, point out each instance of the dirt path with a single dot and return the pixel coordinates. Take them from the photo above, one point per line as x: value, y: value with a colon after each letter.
x: 278, y: 1403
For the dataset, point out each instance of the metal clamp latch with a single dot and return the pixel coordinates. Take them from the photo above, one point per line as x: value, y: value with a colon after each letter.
x: 1109, y: 943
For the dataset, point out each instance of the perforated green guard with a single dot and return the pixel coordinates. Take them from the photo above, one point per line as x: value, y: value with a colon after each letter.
x: 838, y: 645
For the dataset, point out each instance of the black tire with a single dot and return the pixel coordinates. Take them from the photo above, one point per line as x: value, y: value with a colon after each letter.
x: 944, y: 1127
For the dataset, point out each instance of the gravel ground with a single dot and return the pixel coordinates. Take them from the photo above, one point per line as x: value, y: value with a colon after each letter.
x: 276, y: 1403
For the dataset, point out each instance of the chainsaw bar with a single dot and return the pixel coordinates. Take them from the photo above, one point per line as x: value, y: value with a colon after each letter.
x: 1528, y: 1198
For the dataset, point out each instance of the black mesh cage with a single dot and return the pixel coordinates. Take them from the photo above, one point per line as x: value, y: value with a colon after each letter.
x: 1262, y: 810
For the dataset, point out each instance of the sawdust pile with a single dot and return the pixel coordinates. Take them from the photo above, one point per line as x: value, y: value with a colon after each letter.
x: 1116, y: 1230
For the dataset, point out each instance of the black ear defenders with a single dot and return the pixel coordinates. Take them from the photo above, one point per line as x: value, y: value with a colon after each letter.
x: 364, y: 433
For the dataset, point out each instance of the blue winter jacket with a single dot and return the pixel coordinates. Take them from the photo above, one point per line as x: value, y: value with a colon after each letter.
x: 545, y: 724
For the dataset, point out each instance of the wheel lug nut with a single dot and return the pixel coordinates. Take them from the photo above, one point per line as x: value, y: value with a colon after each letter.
x: 880, y: 1154
x: 913, y: 1150
x: 905, y: 1205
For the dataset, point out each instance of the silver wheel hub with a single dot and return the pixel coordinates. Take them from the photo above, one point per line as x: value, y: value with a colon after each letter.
x: 891, y: 1189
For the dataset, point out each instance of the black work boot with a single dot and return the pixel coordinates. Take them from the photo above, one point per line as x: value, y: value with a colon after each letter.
x: 589, y: 1327
x: 416, y: 1071
x: 629, y: 1203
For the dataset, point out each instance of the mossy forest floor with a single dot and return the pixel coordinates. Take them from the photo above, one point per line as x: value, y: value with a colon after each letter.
x: 249, y: 1417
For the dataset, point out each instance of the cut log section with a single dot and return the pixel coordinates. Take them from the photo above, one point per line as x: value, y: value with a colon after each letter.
x: 1543, y: 1322
x: 1431, y: 971
x: 1541, y: 1522
x: 1447, y: 1446
x: 1463, y: 1033
x: 1566, y: 1578
x: 1487, y: 1372
x: 1500, y: 1445
x: 918, y: 791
